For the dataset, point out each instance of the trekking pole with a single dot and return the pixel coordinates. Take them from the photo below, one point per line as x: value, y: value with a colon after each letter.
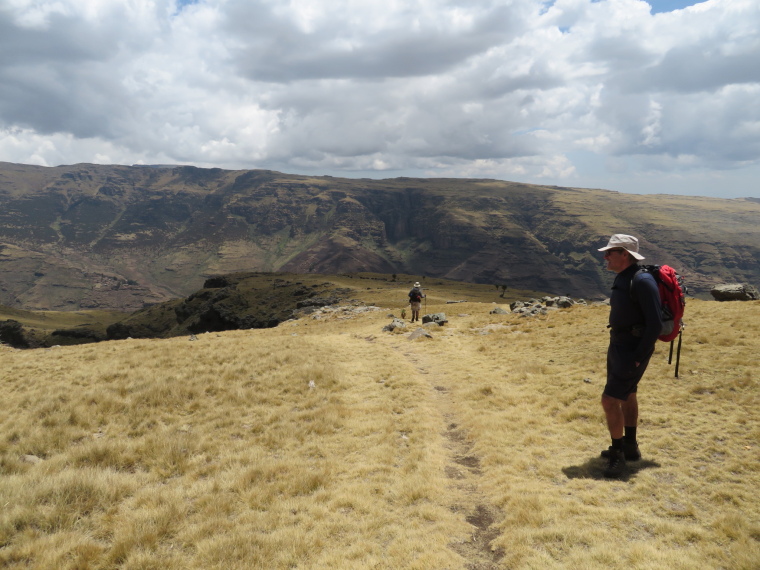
x: 670, y: 354
x: 678, y: 353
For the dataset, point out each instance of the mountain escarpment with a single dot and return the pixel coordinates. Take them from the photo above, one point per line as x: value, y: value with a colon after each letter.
x: 120, y: 237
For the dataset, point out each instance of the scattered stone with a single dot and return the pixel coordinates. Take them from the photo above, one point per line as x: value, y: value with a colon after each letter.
x: 735, y: 292
x: 193, y: 337
x: 534, y: 311
x: 438, y: 318
x: 33, y: 459
x: 420, y: 333
x: 394, y: 324
x: 536, y: 307
x: 499, y: 311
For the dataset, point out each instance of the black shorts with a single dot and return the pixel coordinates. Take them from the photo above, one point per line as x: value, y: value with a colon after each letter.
x: 622, y: 373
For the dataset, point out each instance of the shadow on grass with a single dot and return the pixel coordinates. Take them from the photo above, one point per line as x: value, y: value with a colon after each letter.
x: 594, y: 469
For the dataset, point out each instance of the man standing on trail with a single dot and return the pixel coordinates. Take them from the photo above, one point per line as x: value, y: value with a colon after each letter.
x: 635, y: 323
x: 415, y: 300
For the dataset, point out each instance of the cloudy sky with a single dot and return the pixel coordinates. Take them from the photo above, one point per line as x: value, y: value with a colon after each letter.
x: 648, y: 97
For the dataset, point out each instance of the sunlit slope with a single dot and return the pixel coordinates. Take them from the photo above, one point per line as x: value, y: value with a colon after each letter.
x: 115, y: 237
x: 326, y: 442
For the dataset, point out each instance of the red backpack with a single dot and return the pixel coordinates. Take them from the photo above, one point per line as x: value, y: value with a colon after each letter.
x: 672, y: 297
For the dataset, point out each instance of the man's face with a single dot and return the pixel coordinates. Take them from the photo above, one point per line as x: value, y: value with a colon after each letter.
x: 617, y: 259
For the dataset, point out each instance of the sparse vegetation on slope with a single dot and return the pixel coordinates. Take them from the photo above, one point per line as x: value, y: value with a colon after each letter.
x: 48, y: 328
x: 325, y: 442
x: 96, y: 236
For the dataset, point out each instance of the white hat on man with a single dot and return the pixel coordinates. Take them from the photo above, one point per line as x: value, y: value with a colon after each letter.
x: 628, y: 243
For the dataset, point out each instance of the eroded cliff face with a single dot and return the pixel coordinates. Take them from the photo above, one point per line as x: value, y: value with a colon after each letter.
x: 88, y: 236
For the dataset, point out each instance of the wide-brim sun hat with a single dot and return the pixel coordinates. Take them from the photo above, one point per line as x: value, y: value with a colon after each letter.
x: 416, y: 283
x: 628, y: 243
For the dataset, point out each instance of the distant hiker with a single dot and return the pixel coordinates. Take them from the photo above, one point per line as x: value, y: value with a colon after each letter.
x: 415, y: 301
x: 635, y: 323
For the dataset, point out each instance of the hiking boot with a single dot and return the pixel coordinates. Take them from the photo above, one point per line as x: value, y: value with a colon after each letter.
x: 631, y: 451
x: 616, y: 463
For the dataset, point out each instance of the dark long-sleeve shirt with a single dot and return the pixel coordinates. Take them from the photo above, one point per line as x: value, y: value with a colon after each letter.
x: 638, y: 307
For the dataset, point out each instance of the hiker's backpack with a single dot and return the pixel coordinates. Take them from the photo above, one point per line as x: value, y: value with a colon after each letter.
x: 415, y: 295
x: 672, y: 292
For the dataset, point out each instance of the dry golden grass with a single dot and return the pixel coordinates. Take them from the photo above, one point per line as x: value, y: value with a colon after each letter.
x: 326, y: 443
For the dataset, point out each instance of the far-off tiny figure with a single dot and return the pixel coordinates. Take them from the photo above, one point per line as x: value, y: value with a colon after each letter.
x: 415, y: 301
x: 403, y: 313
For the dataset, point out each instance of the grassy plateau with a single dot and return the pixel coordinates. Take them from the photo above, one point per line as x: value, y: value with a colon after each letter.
x: 328, y: 443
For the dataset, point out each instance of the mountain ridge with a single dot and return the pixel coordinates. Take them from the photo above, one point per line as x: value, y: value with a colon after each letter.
x: 120, y: 237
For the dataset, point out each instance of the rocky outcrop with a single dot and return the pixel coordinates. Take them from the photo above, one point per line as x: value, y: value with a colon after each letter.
x: 536, y: 307
x: 12, y: 334
x: 395, y: 325
x: 83, y: 335
x: 735, y: 292
x: 419, y: 333
x: 230, y: 302
x: 437, y: 318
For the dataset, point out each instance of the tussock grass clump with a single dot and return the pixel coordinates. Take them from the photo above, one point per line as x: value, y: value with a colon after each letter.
x: 246, y: 449
x: 327, y: 443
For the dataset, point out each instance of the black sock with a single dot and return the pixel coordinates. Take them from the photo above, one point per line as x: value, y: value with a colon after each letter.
x: 617, y: 443
x: 630, y: 433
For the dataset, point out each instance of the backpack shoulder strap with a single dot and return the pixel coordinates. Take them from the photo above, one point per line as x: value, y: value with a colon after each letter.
x: 639, y: 271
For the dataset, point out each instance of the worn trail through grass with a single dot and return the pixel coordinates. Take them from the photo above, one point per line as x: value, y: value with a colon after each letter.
x: 462, y: 466
x: 326, y: 443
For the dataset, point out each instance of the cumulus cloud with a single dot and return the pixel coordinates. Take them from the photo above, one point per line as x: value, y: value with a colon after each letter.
x: 574, y: 92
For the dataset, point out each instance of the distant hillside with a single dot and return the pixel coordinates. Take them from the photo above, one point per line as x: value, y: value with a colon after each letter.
x: 118, y: 237
x: 232, y: 302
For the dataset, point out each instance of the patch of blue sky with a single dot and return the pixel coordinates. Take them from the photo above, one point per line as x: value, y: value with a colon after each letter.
x: 658, y: 6
x: 182, y: 4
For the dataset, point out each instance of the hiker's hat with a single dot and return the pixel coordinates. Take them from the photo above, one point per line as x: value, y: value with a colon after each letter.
x: 628, y: 243
x: 416, y: 283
